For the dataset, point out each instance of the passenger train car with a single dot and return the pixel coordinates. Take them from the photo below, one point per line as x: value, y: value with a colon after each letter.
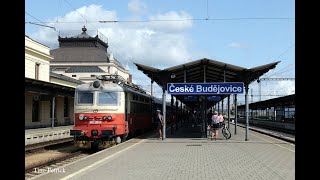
x: 110, y: 109
x: 277, y: 113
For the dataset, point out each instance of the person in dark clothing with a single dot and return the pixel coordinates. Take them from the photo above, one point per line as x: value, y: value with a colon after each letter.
x: 159, y: 120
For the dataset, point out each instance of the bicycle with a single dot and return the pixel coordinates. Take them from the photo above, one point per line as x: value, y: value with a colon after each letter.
x: 225, y: 131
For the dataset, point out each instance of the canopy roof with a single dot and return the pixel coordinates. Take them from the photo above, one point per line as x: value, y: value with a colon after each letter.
x: 47, y: 88
x: 205, y: 70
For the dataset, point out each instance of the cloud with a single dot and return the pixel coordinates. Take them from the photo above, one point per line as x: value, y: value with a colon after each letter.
x: 148, y: 47
x: 90, y: 13
x: 137, y: 7
x: 177, y: 21
x: 236, y: 45
x: 271, y: 89
x: 159, y: 43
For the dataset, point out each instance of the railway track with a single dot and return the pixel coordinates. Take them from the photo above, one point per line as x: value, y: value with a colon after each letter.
x: 54, y: 165
x: 35, y: 147
x: 52, y: 158
x: 276, y: 129
x: 275, y: 132
x: 54, y: 162
x: 268, y: 126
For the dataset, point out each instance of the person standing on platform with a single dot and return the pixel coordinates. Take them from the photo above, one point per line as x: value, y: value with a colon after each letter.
x: 194, y: 118
x: 159, y: 120
x: 215, y: 125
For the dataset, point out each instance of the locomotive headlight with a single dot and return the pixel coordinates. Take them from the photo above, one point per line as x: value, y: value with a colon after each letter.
x: 109, y: 118
x: 80, y: 117
x: 104, y: 117
x: 85, y: 117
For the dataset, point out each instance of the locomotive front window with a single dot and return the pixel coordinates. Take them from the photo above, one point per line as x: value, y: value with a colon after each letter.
x: 108, y: 98
x: 85, y: 98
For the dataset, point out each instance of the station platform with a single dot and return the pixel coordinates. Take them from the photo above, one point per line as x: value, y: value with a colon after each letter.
x: 39, y: 135
x: 185, y: 155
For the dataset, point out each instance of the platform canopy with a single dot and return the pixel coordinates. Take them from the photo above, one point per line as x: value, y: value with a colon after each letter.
x: 204, y: 70
x: 47, y: 88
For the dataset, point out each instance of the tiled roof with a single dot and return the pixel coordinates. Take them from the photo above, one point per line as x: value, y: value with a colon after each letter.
x: 79, y: 54
x: 77, y: 69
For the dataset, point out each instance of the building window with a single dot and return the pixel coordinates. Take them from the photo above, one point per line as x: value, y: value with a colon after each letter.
x: 66, y: 107
x: 93, y: 75
x: 108, y: 69
x: 37, y: 70
x: 35, y: 110
x: 74, y: 75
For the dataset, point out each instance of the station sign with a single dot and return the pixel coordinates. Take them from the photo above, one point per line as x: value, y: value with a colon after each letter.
x: 205, y: 88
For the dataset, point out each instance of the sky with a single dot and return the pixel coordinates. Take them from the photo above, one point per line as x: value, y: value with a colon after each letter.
x: 165, y: 33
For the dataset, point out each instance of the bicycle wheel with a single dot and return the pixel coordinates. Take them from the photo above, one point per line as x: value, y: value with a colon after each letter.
x: 226, y: 133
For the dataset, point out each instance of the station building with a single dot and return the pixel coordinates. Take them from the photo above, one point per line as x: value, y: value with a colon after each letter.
x: 84, y: 57
x: 48, y: 95
x: 52, y: 75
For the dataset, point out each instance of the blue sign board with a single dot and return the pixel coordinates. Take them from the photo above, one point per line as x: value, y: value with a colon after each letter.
x: 206, y: 88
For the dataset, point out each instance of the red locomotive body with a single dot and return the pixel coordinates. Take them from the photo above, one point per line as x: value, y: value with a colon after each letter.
x: 109, y: 109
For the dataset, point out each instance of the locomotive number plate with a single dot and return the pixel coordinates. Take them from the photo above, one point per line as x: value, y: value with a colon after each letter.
x: 94, y: 122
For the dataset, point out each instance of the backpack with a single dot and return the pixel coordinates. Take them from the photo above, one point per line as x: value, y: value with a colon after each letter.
x: 215, y: 119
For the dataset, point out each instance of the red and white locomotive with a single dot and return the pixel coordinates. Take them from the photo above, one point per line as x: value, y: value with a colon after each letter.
x: 109, y: 109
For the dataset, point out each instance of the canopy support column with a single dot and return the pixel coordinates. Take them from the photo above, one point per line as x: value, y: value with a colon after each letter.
x: 235, y: 113
x: 229, y: 111
x: 247, y: 110
x: 164, y: 114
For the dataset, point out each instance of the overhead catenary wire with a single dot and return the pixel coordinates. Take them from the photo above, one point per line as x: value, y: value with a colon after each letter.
x: 35, y: 18
x: 80, y: 15
x: 286, y: 50
x: 282, y: 55
x: 279, y: 72
x: 174, y: 20
x: 76, y: 11
x: 43, y: 24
